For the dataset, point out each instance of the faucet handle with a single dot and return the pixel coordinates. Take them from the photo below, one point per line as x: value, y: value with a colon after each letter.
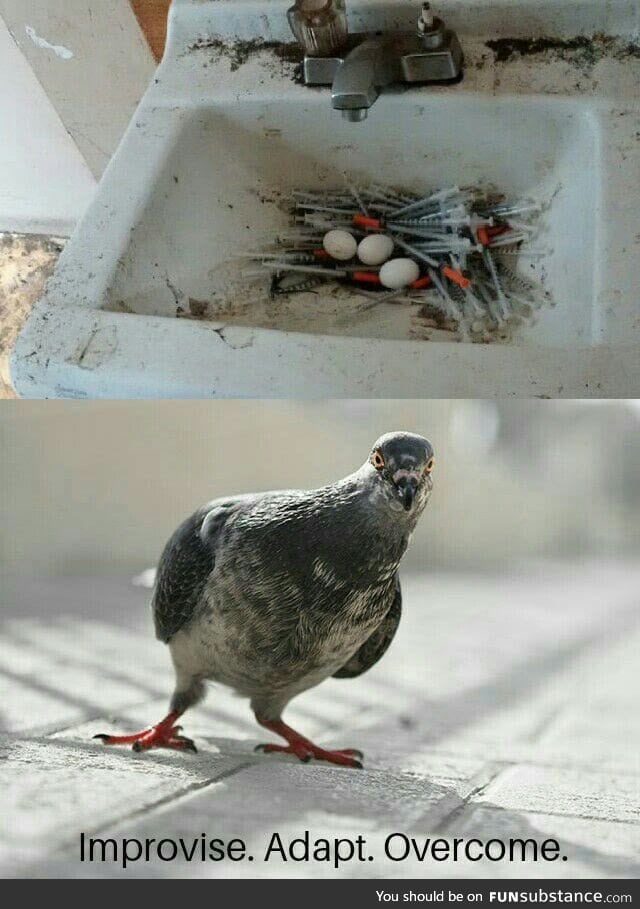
x: 426, y: 19
x: 430, y: 28
x: 319, y: 25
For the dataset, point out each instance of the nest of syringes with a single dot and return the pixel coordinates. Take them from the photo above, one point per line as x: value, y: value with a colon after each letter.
x: 464, y: 242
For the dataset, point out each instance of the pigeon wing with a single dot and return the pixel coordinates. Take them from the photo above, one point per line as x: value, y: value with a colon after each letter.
x: 185, y: 565
x: 377, y: 643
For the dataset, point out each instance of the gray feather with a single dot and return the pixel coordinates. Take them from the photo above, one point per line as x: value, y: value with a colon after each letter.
x: 375, y: 647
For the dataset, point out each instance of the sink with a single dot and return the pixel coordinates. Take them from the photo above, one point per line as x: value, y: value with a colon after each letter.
x: 153, y: 296
x: 221, y: 192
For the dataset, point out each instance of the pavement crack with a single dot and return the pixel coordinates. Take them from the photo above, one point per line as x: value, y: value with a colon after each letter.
x: 449, y: 810
x: 150, y: 807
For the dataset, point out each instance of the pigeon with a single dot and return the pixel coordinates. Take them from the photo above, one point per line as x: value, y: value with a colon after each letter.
x: 272, y: 593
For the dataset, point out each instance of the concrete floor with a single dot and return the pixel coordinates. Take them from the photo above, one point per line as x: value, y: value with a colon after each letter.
x: 26, y: 262
x: 507, y: 706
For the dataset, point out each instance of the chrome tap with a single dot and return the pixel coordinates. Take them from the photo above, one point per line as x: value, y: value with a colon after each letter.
x: 359, y: 66
x: 367, y: 69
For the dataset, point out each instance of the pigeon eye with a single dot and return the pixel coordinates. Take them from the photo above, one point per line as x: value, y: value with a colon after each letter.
x: 377, y: 460
x: 429, y: 465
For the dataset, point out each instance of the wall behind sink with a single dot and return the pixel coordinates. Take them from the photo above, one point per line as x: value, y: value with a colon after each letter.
x: 75, y: 70
x: 497, y: 18
x: 45, y: 184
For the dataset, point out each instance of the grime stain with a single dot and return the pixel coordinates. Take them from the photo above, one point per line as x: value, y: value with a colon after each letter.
x: 198, y: 308
x: 434, y: 317
x: 582, y: 51
x: 239, y: 52
x: 101, y: 344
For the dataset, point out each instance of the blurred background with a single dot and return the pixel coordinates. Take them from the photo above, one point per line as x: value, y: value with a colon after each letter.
x: 97, y: 488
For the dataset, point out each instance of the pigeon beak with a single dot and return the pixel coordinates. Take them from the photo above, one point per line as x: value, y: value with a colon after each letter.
x: 407, y: 484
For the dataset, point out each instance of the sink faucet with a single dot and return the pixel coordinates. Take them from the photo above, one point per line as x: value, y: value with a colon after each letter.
x: 359, y: 66
x: 369, y: 67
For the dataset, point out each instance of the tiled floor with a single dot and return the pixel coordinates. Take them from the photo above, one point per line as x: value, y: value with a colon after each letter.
x: 507, y: 706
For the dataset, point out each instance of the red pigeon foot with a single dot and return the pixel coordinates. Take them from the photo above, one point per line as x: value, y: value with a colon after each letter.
x: 305, y: 750
x: 164, y: 734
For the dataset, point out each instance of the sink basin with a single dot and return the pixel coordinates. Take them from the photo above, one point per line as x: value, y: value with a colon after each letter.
x: 152, y: 295
x: 220, y: 194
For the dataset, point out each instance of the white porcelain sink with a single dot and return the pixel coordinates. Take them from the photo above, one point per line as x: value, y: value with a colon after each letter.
x: 150, y: 297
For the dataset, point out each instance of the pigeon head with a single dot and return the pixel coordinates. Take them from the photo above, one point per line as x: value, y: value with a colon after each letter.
x: 400, y: 466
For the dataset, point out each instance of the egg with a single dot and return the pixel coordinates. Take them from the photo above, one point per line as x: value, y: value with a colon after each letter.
x: 340, y: 245
x: 398, y: 273
x: 375, y: 249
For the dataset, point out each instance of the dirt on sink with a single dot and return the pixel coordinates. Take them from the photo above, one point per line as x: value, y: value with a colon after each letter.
x: 240, y: 52
x: 583, y: 51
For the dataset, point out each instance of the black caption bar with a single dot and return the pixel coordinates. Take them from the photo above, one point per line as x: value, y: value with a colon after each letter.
x: 333, y: 894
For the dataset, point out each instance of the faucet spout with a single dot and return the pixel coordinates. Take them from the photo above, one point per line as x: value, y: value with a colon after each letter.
x: 367, y: 69
x: 355, y: 114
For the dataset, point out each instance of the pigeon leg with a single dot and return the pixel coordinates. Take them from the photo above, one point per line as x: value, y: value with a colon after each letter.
x: 164, y: 734
x: 304, y: 749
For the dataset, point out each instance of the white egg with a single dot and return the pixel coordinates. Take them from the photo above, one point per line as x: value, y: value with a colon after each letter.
x: 340, y: 245
x: 375, y: 249
x: 397, y: 273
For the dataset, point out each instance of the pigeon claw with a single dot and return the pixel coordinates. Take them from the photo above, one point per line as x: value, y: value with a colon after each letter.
x: 163, y: 735
x: 353, y: 752
x: 306, y: 751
